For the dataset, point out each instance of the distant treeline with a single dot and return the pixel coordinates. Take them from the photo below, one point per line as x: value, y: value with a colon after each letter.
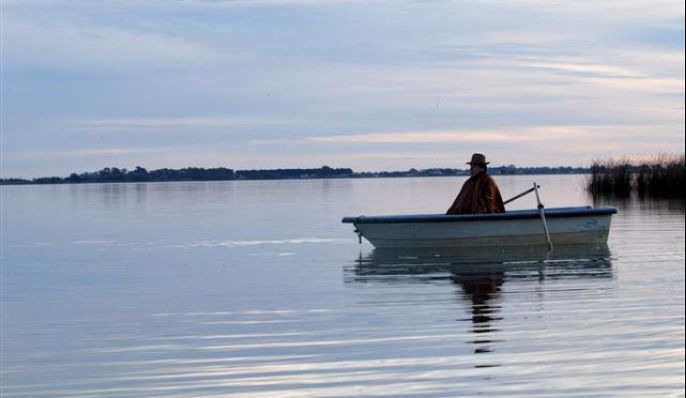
x: 663, y: 175
x: 500, y: 170
x: 140, y: 174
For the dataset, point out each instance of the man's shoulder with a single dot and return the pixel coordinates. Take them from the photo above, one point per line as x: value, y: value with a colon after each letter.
x: 485, y: 176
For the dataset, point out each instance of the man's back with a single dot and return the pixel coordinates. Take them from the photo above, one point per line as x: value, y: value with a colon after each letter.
x: 479, y: 194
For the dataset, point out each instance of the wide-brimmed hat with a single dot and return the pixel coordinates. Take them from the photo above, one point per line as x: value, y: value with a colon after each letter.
x: 478, y: 159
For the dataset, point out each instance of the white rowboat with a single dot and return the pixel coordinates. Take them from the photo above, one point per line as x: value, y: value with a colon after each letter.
x: 566, y: 226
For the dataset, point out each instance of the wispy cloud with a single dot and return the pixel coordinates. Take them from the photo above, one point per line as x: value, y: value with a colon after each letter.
x: 84, y: 152
x: 172, y: 122
x: 584, y: 69
x: 423, y: 137
x: 481, y: 136
x: 89, y: 48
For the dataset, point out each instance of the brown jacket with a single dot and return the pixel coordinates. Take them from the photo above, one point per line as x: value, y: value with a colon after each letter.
x: 479, y: 194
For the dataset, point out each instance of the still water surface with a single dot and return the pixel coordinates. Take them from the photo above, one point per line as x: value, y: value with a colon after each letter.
x: 255, y: 289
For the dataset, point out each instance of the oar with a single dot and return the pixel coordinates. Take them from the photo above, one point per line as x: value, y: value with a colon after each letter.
x: 541, y: 212
x: 512, y: 199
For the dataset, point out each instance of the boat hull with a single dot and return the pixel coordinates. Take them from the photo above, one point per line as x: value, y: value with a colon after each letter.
x: 567, y: 226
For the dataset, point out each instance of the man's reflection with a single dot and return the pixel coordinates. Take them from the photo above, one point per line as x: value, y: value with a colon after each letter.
x: 482, y: 291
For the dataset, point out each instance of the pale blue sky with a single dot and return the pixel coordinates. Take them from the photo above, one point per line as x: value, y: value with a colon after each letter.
x: 372, y: 85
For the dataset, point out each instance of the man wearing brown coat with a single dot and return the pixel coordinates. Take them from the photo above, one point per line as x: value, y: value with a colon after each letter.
x: 479, y: 194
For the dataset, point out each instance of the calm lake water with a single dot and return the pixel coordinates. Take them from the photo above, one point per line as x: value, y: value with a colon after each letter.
x: 255, y: 289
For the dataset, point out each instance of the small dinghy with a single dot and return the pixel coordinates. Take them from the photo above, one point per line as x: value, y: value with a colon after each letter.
x: 533, y: 227
x: 563, y: 226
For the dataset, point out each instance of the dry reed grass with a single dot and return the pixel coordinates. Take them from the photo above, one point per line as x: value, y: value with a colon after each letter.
x: 662, y: 175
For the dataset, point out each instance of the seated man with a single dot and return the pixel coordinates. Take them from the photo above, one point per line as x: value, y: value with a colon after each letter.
x: 479, y: 194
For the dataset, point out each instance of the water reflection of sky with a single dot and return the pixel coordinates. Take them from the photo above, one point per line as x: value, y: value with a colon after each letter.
x: 256, y: 289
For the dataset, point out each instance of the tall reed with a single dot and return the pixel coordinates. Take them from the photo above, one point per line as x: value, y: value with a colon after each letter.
x: 661, y: 175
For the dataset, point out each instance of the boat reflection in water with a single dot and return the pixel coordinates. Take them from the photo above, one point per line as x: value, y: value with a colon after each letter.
x: 481, y: 273
x: 579, y: 261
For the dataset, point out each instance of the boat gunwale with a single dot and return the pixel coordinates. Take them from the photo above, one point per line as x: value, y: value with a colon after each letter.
x: 561, y: 212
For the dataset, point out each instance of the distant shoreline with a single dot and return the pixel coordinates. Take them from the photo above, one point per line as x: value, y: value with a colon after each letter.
x: 139, y: 174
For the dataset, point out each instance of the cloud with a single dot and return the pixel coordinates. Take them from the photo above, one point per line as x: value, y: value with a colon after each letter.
x: 536, y: 146
x: 84, y: 152
x: 171, y: 122
x: 573, y: 136
x: 584, y: 69
x: 423, y: 137
x: 500, y: 136
x: 58, y: 47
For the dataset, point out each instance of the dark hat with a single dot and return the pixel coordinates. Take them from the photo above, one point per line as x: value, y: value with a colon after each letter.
x: 478, y: 159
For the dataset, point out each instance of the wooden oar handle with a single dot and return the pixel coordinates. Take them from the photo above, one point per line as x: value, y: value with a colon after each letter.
x: 520, y: 195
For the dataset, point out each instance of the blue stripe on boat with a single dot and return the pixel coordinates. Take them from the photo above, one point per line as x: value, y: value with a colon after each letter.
x: 558, y: 212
